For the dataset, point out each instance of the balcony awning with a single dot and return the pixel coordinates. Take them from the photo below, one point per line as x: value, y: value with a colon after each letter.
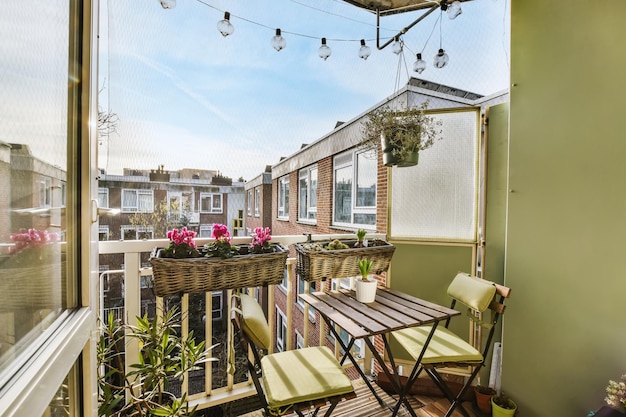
x: 387, y: 7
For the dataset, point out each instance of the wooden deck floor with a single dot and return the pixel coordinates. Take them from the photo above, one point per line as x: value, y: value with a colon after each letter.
x: 365, y: 405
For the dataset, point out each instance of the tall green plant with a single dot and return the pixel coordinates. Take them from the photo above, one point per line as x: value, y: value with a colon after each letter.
x: 164, y: 356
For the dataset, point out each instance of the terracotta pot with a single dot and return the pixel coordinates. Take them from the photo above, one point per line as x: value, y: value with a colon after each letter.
x: 483, y: 398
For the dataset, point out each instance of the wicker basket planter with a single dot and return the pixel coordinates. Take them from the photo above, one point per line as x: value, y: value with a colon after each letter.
x: 29, y: 281
x: 318, y: 265
x: 198, y: 275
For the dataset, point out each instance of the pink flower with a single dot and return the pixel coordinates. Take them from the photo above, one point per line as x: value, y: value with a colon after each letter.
x: 220, y: 232
x: 261, y: 236
x: 32, y: 238
x: 184, y: 236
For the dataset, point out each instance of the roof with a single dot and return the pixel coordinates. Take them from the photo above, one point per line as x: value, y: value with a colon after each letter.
x: 386, y: 7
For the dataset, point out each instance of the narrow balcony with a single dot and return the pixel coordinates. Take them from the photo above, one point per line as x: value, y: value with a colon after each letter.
x: 125, y: 291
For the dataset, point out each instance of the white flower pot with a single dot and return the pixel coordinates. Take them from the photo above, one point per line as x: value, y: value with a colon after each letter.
x: 366, y: 290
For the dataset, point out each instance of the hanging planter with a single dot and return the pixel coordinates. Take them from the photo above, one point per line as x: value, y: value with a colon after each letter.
x: 402, y: 134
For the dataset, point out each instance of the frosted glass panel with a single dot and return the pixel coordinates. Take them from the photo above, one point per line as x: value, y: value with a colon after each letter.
x: 437, y: 198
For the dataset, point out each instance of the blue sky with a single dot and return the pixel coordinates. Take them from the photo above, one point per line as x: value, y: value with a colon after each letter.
x: 187, y: 97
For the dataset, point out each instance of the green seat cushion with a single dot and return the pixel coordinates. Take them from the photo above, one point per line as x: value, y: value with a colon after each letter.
x: 254, y: 323
x: 474, y: 292
x: 445, y: 346
x: 302, y: 375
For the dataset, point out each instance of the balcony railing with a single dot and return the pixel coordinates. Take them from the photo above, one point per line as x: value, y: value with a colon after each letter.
x: 136, y: 298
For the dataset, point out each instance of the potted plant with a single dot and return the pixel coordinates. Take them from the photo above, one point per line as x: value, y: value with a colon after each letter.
x: 360, y: 236
x: 616, y: 395
x: 402, y: 133
x: 483, y: 396
x: 165, y: 358
x: 366, y: 285
x: 181, y: 244
x: 502, y: 406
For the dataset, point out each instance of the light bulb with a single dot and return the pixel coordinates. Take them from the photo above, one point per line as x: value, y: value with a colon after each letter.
x: 168, y: 4
x: 441, y: 59
x: 324, y: 51
x: 454, y: 10
x: 397, y: 46
x: 224, y: 25
x: 364, y: 51
x: 420, y: 65
x: 278, y: 42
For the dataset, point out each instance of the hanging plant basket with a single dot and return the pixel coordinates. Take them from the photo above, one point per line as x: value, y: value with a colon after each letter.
x: 316, y: 263
x: 198, y: 275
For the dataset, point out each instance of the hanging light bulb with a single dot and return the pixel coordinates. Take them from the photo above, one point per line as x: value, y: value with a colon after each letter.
x: 419, y: 65
x: 441, y: 59
x: 454, y: 10
x: 397, y: 46
x: 364, y: 51
x: 168, y: 4
x: 324, y: 51
x: 224, y: 25
x: 278, y: 42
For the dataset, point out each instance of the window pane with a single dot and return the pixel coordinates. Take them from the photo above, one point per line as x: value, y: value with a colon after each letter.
x: 303, y: 197
x: 366, y: 180
x: 33, y: 169
x: 313, y: 193
x: 343, y: 195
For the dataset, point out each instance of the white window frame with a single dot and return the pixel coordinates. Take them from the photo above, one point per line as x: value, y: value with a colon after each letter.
x: 213, y: 198
x: 136, y: 207
x: 300, y: 302
x: 281, y: 330
x: 350, y: 160
x: 103, y: 229
x: 45, y: 192
x: 249, y: 205
x: 257, y: 201
x: 205, y: 230
x: 310, y: 209
x: 103, y: 197
x: 299, y: 340
x: 185, y: 205
x: 137, y: 229
x: 283, y: 198
x: 216, y: 310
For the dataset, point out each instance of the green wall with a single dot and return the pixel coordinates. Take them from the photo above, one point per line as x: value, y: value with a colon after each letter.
x: 565, y: 329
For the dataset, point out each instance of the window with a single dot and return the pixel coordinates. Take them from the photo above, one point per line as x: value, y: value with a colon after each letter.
x: 216, y: 305
x: 103, y: 197
x: 299, y: 340
x: 210, y: 203
x: 103, y: 232
x: 133, y: 232
x: 134, y: 201
x: 301, y: 287
x: 281, y: 330
x: 46, y: 80
x: 179, y: 206
x: 307, y: 194
x: 45, y: 192
x: 205, y: 230
x: 249, y: 207
x: 355, y: 177
x: 257, y: 201
x: 283, y: 198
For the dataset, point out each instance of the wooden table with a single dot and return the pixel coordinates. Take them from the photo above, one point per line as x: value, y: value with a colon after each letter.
x: 392, y: 310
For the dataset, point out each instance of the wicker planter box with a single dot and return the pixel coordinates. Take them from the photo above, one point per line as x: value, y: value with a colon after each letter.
x: 31, y: 282
x: 198, y: 275
x: 316, y: 265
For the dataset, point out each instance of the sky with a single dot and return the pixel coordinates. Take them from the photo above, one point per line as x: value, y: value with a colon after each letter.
x: 187, y: 97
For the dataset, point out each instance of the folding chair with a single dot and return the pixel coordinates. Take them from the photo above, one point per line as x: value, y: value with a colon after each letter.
x: 292, y: 381
x: 446, y: 349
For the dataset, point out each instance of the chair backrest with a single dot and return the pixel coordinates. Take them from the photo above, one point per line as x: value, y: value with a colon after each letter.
x: 480, y: 295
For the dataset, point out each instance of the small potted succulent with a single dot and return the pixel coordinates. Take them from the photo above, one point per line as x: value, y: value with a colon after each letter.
x: 366, y: 285
x: 360, y: 236
x: 402, y: 133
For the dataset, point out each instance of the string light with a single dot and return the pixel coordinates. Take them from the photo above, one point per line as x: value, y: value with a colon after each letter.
x: 364, y: 51
x: 224, y: 25
x: 452, y: 9
x: 168, y: 4
x: 419, y: 65
x: 397, y: 46
x: 441, y: 59
x: 278, y: 42
x: 324, y: 51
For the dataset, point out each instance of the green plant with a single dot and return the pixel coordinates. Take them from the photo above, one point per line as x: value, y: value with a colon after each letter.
x: 221, y: 246
x: 336, y: 244
x: 165, y: 357
x: 502, y: 400
x: 360, y: 235
x: 364, y: 266
x: 407, y: 130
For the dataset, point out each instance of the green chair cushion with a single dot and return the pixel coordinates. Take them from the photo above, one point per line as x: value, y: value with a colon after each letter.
x: 474, y: 292
x: 302, y: 375
x: 254, y: 323
x: 445, y: 346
